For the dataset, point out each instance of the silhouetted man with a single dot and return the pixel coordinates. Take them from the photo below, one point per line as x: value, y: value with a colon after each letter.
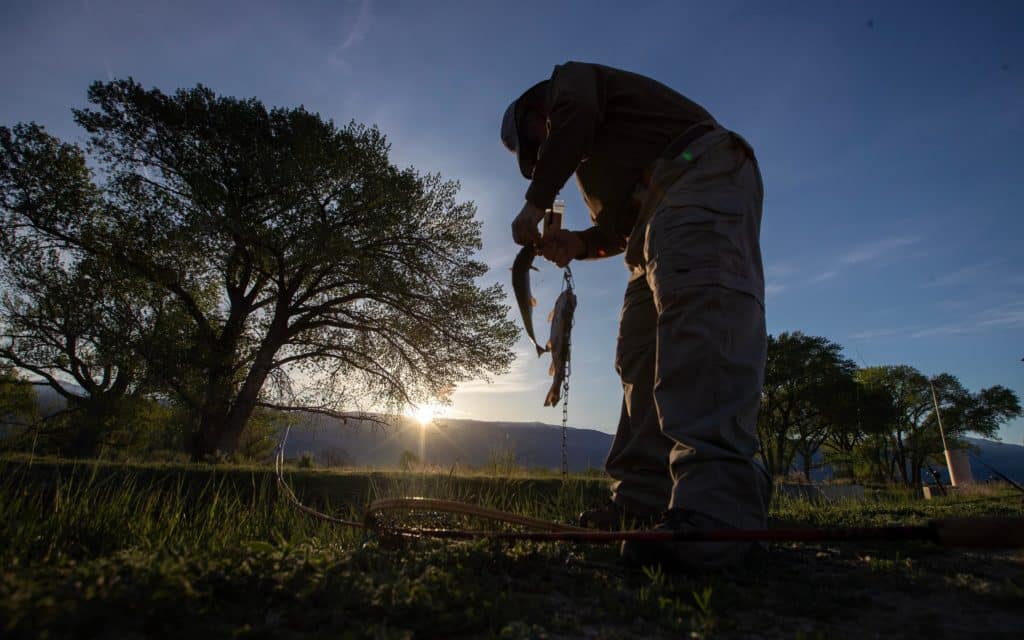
x: 681, y: 197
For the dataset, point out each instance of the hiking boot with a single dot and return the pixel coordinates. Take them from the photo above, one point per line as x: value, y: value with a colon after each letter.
x: 612, y: 516
x: 676, y: 557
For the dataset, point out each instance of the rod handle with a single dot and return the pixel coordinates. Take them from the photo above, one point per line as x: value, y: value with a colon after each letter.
x: 994, y: 532
x: 553, y: 218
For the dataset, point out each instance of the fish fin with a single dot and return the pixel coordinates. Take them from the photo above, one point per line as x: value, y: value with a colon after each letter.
x: 554, y: 395
x: 551, y: 315
x: 533, y: 301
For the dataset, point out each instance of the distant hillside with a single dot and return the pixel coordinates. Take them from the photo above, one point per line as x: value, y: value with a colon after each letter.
x: 449, y: 441
x: 535, y: 445
x: 1006, y: 458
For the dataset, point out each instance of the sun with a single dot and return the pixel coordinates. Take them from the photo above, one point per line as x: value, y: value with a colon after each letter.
x: 426, y: 413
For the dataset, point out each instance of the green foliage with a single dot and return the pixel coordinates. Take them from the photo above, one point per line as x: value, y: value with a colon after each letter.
x: 876, y: 423
x: 336, y: 457
x: 988, y: 410
x: 805, y: 379
x: 18, y: 408
x: 76, y: 320
x: 260, y: 435
x: 913, y: 438
x: 408, y: 460
x: 125, y: 551
x: 335, y: 265
x: 305, y: 269
x: 502, y: 462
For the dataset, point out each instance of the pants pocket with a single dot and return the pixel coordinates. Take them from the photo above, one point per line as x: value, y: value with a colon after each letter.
x: 637, y: 331
x: 687, y: 239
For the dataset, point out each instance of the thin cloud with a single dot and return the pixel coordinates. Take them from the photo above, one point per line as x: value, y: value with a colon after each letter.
x: 357, y: 32
x: 776, y: 276
x: 999, y: 318
x: 822, y: 277
x: 779, y: 270
x: 1011, y: 317
x: 994, y: 319
x: 875, y: 250
x: 879, y: 333
x: 864, y: 253
x: 519, y: 379
x: 963, y: 275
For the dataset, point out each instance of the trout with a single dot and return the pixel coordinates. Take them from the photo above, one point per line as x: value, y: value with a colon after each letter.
x: 521, y: 286
x: 558, y: 344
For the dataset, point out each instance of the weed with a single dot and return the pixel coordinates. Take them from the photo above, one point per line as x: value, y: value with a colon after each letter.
x: 101, y: 549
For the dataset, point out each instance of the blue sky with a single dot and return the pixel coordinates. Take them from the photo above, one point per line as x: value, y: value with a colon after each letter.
x: 889, y: 135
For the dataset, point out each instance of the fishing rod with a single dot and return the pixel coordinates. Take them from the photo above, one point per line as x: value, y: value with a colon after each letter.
x: 973, y: 532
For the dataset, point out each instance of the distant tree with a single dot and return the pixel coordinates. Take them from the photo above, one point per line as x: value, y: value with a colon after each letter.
x: 73, y: 319
x: 18, y: 407
x: 911, y: 400
x: 803, y: 377
x: 915, y: 439
x: 408, y: 460
x: 314, y: 274
x: 988, y: 410
x: 858, y: 414
x: 337, y: 457
x: 260, y: 435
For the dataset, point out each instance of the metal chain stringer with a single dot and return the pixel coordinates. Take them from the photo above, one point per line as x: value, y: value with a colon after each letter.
x: 567, y: 284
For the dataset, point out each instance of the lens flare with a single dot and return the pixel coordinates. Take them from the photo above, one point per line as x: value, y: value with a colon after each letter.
x: 426, y: 413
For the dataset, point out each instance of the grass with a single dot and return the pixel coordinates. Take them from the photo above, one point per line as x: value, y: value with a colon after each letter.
x: 103, y: 550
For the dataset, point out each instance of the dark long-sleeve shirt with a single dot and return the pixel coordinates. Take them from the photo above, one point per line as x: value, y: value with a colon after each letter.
x: 607, y: 126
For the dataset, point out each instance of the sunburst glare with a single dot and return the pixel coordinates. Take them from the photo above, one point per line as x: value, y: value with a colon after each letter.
x: 426, y: 413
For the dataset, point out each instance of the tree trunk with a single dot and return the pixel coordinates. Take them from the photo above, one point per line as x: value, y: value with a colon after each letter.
x: 85, y: 438
x: 205, y: 441
x: 915, y: 474
x: 221, y: 425
x: 93, y: 417
x: 781, y: 468
x: 765, y: 458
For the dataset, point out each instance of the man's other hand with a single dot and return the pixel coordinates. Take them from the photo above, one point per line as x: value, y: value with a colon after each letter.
x: 524, y: 227
x: 561, y: 246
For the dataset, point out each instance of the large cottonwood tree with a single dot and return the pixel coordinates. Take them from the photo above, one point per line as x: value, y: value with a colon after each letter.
x: 313, y: 272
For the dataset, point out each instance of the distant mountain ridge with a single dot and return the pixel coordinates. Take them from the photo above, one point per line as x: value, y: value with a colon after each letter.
x: 449, y: 441
x: 534, y: 445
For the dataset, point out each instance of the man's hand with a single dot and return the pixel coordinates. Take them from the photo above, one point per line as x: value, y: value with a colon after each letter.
x: 561, y: 246
x: 524, y: 227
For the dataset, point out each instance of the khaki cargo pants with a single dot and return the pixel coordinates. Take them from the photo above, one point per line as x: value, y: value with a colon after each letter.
x: 692, y: 342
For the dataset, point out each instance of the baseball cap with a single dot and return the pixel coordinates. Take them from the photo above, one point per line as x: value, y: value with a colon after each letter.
x: 511, y: 129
